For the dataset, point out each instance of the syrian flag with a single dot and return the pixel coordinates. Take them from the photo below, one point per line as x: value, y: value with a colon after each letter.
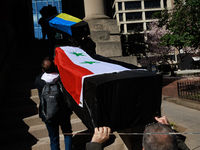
x: 74, y: 65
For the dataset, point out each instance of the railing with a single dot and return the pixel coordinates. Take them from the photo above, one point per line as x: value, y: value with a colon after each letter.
x: 189, y: 90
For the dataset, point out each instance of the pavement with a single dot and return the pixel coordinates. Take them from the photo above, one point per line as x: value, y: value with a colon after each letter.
x: 182, y: 112
x: 190, y: 71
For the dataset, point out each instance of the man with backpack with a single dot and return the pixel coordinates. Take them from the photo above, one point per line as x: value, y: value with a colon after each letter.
x: 53, y: 111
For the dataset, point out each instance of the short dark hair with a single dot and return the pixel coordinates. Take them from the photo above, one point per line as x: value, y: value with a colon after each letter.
x: 159, y: 141
x: 50, y: 67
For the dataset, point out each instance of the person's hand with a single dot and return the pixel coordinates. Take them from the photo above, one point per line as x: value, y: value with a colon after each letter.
x: 162, y: 120
x: 101, y: 134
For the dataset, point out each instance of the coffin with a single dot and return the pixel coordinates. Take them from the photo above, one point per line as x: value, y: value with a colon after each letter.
x: 120, y: 100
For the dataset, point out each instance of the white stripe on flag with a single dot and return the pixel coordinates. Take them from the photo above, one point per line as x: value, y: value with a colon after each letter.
x: 96, y: 67
x: 85, y: 61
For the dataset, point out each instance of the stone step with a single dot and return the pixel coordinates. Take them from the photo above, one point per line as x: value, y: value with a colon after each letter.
x: 21, y: 123
x: 31, y: 51
x: 18, y: 102
x: 23, y: 111
x: 23, y: 79
x: 35, y: 120
x: 104, y: 25
x: 24, y: 66
x: 33, y: 133
x: 116, y: 143
x: 23, y: 73
x: 43, y: 144
x: 22, y: 86
x: 109, y: 49
x: 26, y: 145
x: 29, y: 63
x: 20, y: 94
x: 115, y: 38
x: 101, y: 36
x: 22, y: 135
x: 25, y: 117
x: 38, y: 144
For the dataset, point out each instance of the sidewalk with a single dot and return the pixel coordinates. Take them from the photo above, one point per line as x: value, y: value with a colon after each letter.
x: 184, y: 113
x: 187, y: 120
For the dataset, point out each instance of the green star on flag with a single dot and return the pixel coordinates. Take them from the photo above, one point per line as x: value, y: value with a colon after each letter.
x: 89, y: 62
x: 75, y: 64
x: 77, y: 54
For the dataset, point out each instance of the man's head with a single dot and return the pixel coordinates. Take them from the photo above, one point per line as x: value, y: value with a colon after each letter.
x: 48, y: 65
x: 159, y: 141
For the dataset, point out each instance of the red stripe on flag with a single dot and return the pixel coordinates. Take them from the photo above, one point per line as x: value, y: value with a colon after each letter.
x: 70, y: 74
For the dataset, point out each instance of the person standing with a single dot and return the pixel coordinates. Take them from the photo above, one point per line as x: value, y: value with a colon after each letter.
x: 50, y: 74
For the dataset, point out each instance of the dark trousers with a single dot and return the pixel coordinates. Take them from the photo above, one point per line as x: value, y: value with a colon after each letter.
x: 53, y: 130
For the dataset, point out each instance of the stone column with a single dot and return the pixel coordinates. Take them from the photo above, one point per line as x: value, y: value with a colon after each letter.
x: 162, y: 4
x: 169, y: 3
x: 94, y: 9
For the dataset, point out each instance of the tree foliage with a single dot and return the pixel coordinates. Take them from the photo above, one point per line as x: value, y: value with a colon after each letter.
x: 156, y: 52
x: 177, y: 28
x: 184, y: 23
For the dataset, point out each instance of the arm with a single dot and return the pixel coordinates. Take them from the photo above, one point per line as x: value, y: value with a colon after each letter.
x: 101, y: 135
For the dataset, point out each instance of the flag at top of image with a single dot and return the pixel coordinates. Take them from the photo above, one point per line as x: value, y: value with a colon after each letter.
x: 74, y: 65
x: 71, y: 25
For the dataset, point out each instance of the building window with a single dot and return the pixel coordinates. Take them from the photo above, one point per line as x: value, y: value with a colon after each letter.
x: 120, y: 6
x: 132, y: 5
x: 122, y: 28
x: 149, y: 14
x: 165, y: 3
x: 134, y: 16
x: 37, y: 5
x: 134, y: 27
x: 147, y: 26
x: 120, y: 17
x: 152, y: 4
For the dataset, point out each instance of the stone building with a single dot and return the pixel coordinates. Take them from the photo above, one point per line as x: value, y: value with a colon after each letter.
x: 137, y: 13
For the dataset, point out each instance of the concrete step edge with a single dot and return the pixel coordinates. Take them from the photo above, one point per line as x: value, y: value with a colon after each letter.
x: 74, y: 119
x: 20, y: 84
x: 6, y: 110
x: 23, y: 84
x: 21, y: 94
x: 13, y: 103
x: 110, y: 42
x: 7, y: 124
x: 40, y: 127
x: 39, y: 144
x: 29, y: 72
x: 20, y: 112
x: 23, y: 98
x: 21, y: 80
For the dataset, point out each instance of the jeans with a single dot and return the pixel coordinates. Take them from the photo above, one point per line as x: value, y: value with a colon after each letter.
x: 53, y: 130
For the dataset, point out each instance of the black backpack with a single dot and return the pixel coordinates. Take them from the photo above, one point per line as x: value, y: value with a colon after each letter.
x: 51, y: 103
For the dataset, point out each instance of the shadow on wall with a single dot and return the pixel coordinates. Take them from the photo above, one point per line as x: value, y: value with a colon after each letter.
x: 16, y: 104
x: 8, y: 47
